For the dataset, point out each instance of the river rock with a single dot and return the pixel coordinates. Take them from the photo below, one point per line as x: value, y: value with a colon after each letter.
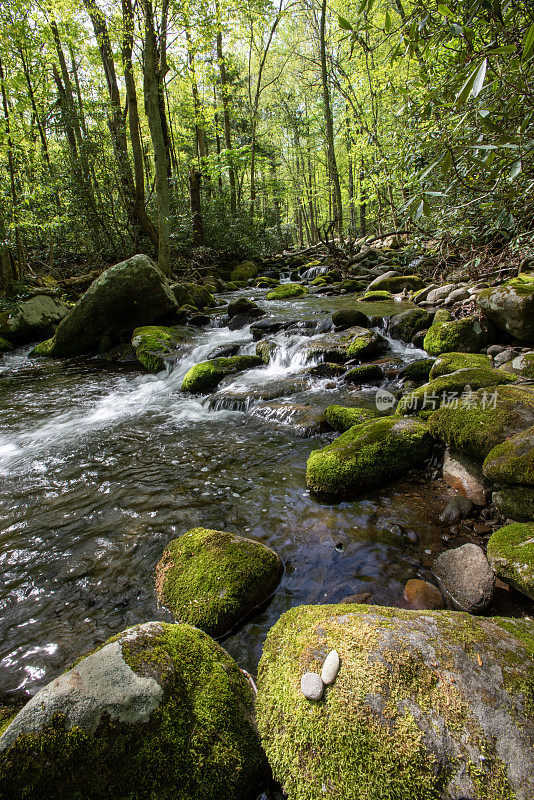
x: 511, y: 555
x: 244, y: 271
x: 447, y: 389
x: 159, y: 711
x: 366, y: 373
x: 193, y: 294
x: 393, y: 283
x: 448, y: 363
x: 464, y: 476
x: 341, y: 418
x: 204, y: 377
x: 439, y: 293
x: 33, y: 318
x: 522, y: 365
x: 125, y: 296
x: 457, y: 508
x: 430, y: 704
x: 417, y: 370
x: 330, y: 668
x: 465, y: 577
x: 406, y: 324
x: 302, y: 420
x: 268, y: 326
x: 367, y: 455
x: 286, y: 291
x: 242, y: 312
x: 515, y: 502
x: 349, y: 318
x: 422, y: 595
x: 154, y: 345
x: 511, y: 307
x: 484, y: 419
x: 466, y: 335
x: 504, y: 357
x: 212, y: 579
x: 312, y: 686
x: 512, y: 461
x: 358, y: 343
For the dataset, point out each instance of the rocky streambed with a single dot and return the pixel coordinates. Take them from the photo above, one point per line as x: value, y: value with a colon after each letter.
x: 295, y: 444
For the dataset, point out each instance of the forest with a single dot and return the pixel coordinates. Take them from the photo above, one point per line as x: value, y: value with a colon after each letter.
x: 266, y: 400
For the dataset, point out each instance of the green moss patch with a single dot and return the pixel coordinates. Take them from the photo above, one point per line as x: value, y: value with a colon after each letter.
x: 448, y: 389
x: 467, y: 335
x: 512, y: 461
x: 451, y: 362
x: 212, y: 579
x: 244, y: 271
x: 286, y: 291
x: 341, y: 419
x: 373, y: 296
x: 204, y: 377
x: 5, y: 346
x: 152, y: 343
x: 511, y: 555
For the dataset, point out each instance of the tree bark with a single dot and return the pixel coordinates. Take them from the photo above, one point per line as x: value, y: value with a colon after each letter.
x: 12, y: 178
x: 337, y: 207
x: 195, y: 180
x: 226, y: 110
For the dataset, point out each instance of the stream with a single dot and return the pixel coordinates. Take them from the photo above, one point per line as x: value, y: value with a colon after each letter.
x: 101, y: 466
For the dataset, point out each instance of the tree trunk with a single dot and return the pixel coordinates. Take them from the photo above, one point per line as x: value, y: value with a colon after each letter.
x: 195, y: 180
x: 337, y: 208
x: 12, y: 178
x: 352, y: 224
x: 363, y: 198
x: 226, y: 110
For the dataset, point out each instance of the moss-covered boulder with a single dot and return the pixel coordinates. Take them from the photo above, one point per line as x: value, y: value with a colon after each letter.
x: 349, y: 318
x: 418, y: 370
x: 376, y: 295
x: 511, y: 308
x: 267, y: 283
x: 451, y: 362
x: 154, y: 344
x: 32, y: 318
x: 512, y: 461
x: 427, y: 705
x: 396, y: 283
x: 193, y: 294
x: 522, y: 365
x: 466, y: 335
x: 366, y: 373
x: 341, y: 418
x: 406, y: 324
x: 125, y: 296
x: 484, y: 419
x: 5, y: 346
x: 160, y: 711
x: 338, y: 347
x: 286, y: 291
x: 367, y: 455
x: 204, y: 377
x: 511, y: 555
x: 265, y: 349
x: 212, y: 579
x: 448, y: 388
x: 515, y: 502
x: 244, y: 271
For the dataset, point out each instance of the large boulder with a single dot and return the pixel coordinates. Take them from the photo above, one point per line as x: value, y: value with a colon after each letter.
x: 244, y: 271
x: 32, y: 319
x: 193, y: 294
x: 406, y: 324
x: 160, y: 711
x: 465, y: 577
x: 427, y: 705
x: 125, y: 296
x: 451, y: 362
x: 341, y: 418
x: 366, y: 456
x: 512, y: 461
x: 396, y: 283
x: 515, y: 502
x: 465, y: 476
x: 522, y: 365
x: 448, y: 388
x: 207, y: 375
x: 242, y: 312
x: 345, y: 318
x: 466, y: 335
x: 511, y: 555
x: 338, y: 347
x: 511, y: 308
x: 212, y: 579
x: 484, y: 419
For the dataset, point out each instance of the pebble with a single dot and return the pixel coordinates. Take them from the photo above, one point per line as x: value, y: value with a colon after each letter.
x: 330, y: 668
x: 312, y: 686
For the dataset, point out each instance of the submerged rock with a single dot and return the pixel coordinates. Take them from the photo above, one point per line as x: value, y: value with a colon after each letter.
x: 465, y: 577
x: 159, y: 711
x: 212, y: 579
x: 125, y: 296
x: 466, y: 335
x: 511, y: 555
x: 511, y: 307
x: 33, y: 318
x: 457, y: 508
x: 366, y: 456
x: 422, y: 595
x: 430, y: 704
x: 204, y: 377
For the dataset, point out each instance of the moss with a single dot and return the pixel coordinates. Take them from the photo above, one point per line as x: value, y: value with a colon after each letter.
x: 265, y: 349
x: 269, y: 283
x: 368, y: 737
x: 244, y: 271
x: 367, y: 455
x: 366, y: 345
x: 199, y: 743
x: 512, y: 461
x: 212, y: 579
x: 515, y: 502
x: 207, y: 375
x: 341, y: 419
x: 349, y: 318
x: 231, y: 286
x: 406, y: 324
x: 319, y: 281
x: 351, y: 286
x: 511, y: 555
x: 448, y: 388
x: 286, y: 291
x: 5, y: 346
x: 484, y: 419
x: 373, y: 296
x: 193, y: 294
x: 451, y: 362
x: 43, y: 348
x: 418, y: 370
x: 367, y: 373
x: 397, y: 283
x: 465, y: 335
x: 521, y: 365
x: 151, y: 343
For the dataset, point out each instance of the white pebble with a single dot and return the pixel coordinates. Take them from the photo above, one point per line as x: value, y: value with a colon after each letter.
x: 312, y: 686
x: 330, y: 668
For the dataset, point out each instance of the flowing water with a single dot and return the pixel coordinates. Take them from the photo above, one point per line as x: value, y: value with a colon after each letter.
x: 101, y: 466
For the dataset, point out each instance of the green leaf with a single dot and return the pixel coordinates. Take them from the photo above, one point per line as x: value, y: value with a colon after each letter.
x: 528, y: 43
x: 344, y: 23
x: 445, y: 10
x: 507, y: 48
x: 473, y: 84
x: 516, y: 169
x: 387, y: 23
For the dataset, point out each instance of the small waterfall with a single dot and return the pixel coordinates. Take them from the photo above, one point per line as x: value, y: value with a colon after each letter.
x: 314, y: 272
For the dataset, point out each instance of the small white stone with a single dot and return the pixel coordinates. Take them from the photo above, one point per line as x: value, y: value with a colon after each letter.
x: 330, y: 668
x: 312, y: 686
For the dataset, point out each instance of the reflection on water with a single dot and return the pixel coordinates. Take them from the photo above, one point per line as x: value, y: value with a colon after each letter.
x: 100, y: 467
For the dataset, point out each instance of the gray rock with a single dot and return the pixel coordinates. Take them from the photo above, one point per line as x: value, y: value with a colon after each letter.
x: 312, y: 686
x: 457, y: 295
x: 377, y: 282
x: 504, y: 357
x: 457, y: 508
x: 465, y: 477
x: 423, y: 294
x: 495, y: 349
x: 330, y: 668
x: 440, y: 293
x: 465, y: 577
x: 32, y: 319
x: 511, y: 308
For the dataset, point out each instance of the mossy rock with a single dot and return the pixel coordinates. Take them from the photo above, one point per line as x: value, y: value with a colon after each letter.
x: 511, y: 555
x: 522, y: 365
x: 212, y: 579
x: 512, y: 461
x: 367, y: 373
x: 351, y: 286
x: 448, y: 389
x: 406, y: 324
x: 341, y: 418
x: 466, y: 335
x: 397, y: 283
x: 244, y: 271
x: 515, y: 502
x: 160, y: 711
x: 349, y: 318
x: 451, y: 362
x: 376, y: 295
x: 419, y: 370
x: 43, y: 348
x: 286, y: 291
x: 194, y: 295
x: 484, y: 419
x: 152, y: 343
x: 366, y: 456
x: 427, y: 705
x: 33, y: 318
x: 204, y: 377
x: 320, y: 280
x: 231, y: 286
x: 267, y: 283
x: 338, y: 347
x: 511, y: 308
x: 265, y: 350
x: 5, y: 346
